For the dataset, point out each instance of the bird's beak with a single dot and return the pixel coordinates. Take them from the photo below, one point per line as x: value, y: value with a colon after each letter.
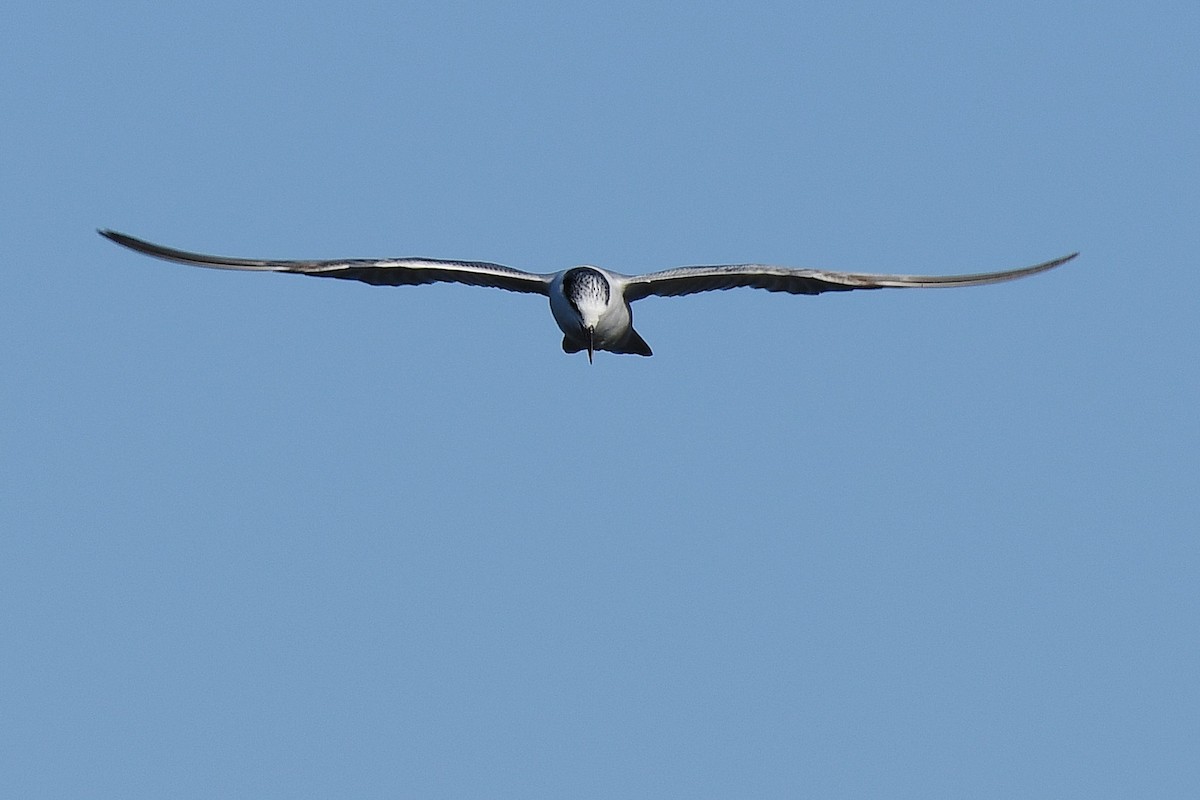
x: 591, y: 334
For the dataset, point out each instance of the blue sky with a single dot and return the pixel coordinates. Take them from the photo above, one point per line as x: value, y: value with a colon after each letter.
x: 266, y: 536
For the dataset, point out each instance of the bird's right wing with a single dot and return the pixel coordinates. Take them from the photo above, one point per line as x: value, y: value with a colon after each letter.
x: 689, y: 280
x: 378, y: 272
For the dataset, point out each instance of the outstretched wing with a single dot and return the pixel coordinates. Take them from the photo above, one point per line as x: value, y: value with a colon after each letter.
x: 376, y: 271
x: 689, y: 280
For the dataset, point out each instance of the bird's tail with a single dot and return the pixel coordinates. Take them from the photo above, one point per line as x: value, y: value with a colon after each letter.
x: 633, y: 345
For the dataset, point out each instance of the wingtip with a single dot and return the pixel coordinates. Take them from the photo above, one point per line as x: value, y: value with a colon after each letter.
x: 123, y: 239
x: 1058, y: 262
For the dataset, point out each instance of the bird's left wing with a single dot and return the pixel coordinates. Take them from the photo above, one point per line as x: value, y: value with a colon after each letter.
x: 376, y: 271
x: 689, y: 280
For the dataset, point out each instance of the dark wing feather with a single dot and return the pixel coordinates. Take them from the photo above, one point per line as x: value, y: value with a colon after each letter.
x: 689, y: 280
x: 378, y: 272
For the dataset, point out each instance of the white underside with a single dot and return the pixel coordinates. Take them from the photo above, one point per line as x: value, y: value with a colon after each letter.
x: 610, y: 321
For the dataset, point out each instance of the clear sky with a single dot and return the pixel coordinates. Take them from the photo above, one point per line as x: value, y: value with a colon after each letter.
x: 270, y: 536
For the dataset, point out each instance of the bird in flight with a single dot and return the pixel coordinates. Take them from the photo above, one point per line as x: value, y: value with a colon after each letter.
x: 591, y: 305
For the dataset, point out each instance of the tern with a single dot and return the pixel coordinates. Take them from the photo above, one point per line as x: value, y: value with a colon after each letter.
x: 591, y: 305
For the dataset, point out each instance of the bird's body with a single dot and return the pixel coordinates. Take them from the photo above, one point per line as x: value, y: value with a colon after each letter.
x: 591, y: 305
x: 591, y: 310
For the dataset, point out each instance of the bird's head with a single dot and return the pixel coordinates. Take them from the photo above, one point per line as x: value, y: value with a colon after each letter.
x: 588, y: 292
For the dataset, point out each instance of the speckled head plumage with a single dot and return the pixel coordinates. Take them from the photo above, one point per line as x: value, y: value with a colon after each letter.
x: 585, y: 287
x: 588, y: 292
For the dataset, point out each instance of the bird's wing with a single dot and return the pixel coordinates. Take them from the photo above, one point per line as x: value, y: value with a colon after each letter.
x: 376, y: 271
x: 689, y: 280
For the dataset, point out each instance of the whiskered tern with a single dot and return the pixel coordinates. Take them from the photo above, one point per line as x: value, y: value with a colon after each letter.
x: 590, y: 304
